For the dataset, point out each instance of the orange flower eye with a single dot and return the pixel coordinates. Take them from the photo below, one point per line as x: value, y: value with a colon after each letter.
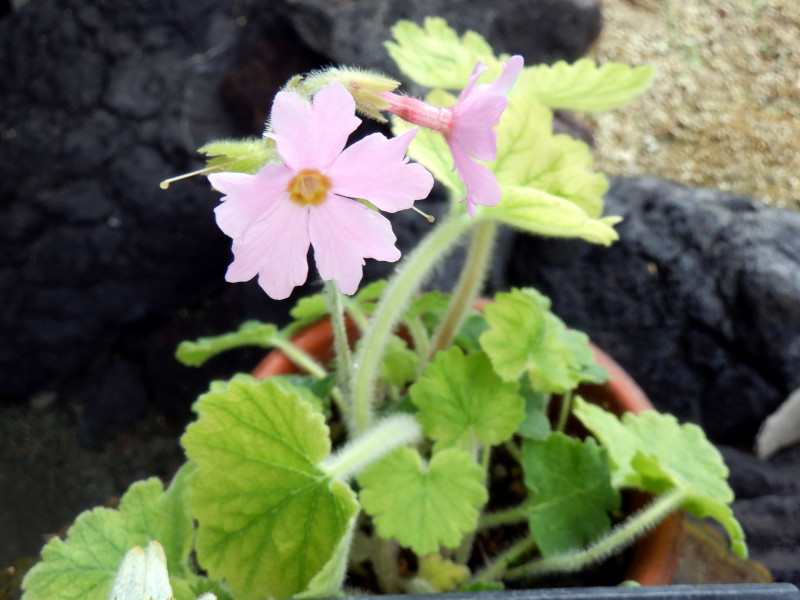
x: 309, y: 188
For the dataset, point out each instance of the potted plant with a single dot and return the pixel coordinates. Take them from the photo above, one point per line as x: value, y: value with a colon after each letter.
x: 420, y: 427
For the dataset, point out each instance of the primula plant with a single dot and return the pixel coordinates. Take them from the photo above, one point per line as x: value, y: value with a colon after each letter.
x: 374, y: 472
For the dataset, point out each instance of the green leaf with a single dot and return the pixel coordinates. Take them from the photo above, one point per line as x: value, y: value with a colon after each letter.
x: 469, y: 333
x: 570, y: 482
x: 653, y: 452
x: 584, y: 86
x: 548, y: 187
x: 421, y: 506
x: 83, y: 566
x: 434, y: 56
x: 399, y: 364
x: 442, y: 574
x: 536, y: 424
x: 308, y: 310
x: 536, y: 211
x: 524, y: 338
x: 250, y: 333
x: 462, y: 401
x: 269, y: 519
x: 241, y: 156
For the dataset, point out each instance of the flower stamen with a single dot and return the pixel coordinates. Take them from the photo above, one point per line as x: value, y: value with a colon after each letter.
x: 309, y: 188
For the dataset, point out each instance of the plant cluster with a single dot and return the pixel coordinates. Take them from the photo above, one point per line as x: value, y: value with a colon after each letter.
x: 296, y: 482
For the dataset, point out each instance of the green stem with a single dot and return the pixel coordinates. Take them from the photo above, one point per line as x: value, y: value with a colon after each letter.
x: 344, y: 365
x: 390, y: 433
x: 503, y: 517
x: 566, y: 408
x: 464, y: 550
x: 497, y: 568
x: 469, y: 285
x: 406, y: 282
x: 299, y: 357
x: 621, y: 536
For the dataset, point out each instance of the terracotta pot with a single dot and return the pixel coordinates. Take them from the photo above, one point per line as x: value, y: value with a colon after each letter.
x: 655, y: 557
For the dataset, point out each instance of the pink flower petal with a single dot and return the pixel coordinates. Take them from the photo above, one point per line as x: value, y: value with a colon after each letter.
x: 474, y: 122
x: 248, y: 198
x: 376, y: 168
x: 511, y: 70
x: 343, y: 233
x: 277, y: 249
x: 482, y: 187
x: 310, y: 138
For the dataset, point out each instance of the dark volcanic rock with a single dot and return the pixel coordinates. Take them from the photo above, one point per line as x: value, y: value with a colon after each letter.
x: 699, y: 300
x: 542, y: 31
x: 99, y: 103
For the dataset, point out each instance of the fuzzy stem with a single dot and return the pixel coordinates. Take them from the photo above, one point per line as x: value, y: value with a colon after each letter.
x: 566, y: 407
x: 344, y: 365
x: 621, y: 536
x: 497, y: 568
x: 398, y: 293
x: 503, y: 517
x: 299, y: 357
x: 469, y: 285
x: 390, y: 433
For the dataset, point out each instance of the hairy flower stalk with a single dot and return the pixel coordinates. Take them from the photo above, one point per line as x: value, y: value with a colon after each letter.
x: 467, y: 127
x: 308, y: 199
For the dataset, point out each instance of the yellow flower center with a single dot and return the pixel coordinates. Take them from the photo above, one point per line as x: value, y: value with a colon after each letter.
x: 309, y: 187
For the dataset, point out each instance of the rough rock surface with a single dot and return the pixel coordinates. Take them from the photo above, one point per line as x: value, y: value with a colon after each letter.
x: 699, y: 300
x: 102, y: 274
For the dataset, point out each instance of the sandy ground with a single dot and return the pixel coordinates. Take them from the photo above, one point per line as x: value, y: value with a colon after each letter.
x: 724, y: 110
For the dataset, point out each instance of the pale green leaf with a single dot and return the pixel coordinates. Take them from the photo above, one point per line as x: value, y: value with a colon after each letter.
x: 524, y: 338
x: 584, y: 86
x: 307, y: 310
x: 241, y: 156
x: 571, y: 492
x: 442, y: 574
x: 653, y: 452
x: 269, y: 519
x: 546, y: 182
x: 435, y: 56
x: 535, y: 211
x: 250, y: 333
x: 462, y: 401
x: 399, y: 363
x: 421, y: 506
x: 83, y: 566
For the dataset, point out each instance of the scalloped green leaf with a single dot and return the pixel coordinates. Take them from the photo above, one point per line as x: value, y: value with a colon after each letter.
x: 240, y: 156
x: 84, y: 565
x: 435, y: 56
x: 250, y: 333
x: 422, y: 506
x: 654, y: 452
x: 548, y: 187
x: 536, y: 211
x: 269, y: 519
x: 571, y: 492
x: 462, y: 402
x: 399, y: 364
x: 585, y: 86
x: 524, y: 338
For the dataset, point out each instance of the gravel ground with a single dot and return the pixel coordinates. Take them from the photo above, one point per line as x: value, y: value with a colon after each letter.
x: 724, y: 110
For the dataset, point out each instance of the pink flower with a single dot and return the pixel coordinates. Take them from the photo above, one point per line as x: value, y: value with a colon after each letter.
x: 467, y: 127
x: 274, y: 215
